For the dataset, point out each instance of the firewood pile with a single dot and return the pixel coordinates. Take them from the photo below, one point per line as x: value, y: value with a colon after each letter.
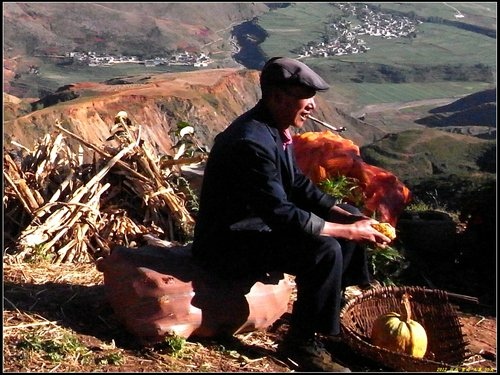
x: 59, y: 208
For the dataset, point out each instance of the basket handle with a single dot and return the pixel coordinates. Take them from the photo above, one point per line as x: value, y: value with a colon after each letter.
x: 463, y: 297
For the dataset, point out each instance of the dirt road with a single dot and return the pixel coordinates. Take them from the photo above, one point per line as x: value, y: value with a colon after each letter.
x: 382, y: 107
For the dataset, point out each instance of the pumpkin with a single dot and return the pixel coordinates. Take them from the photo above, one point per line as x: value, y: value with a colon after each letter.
x: 399, y: 333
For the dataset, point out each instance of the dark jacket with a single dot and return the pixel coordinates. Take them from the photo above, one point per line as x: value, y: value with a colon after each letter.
x: 249, y: 183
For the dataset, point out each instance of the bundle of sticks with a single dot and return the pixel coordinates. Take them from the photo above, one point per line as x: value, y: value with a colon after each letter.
x: 60, y: 208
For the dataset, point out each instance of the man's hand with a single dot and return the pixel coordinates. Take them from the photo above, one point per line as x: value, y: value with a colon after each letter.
x: 361, y: 230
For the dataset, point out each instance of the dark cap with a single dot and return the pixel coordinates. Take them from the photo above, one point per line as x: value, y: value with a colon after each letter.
x: 285, y: 71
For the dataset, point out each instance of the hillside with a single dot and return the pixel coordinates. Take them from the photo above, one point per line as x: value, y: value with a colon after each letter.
x: 462, y: 49
x: 475, y: 115
x: 34, y: 28
x: 461, y: 125
x: 41, y: 34
x: 157, y: 103
x: 425, y: 152
x: 210, y: 99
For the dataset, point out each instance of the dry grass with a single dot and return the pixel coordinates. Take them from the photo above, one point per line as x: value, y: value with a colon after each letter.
x: 56, y: 319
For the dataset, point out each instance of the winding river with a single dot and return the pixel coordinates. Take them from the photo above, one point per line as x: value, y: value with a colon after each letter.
x: 249, y: 35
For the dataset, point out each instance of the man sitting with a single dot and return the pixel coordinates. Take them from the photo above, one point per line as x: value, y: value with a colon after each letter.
x: 259, y: 213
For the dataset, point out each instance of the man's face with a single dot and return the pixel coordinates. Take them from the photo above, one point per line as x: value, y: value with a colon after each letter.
x: 295, y: 103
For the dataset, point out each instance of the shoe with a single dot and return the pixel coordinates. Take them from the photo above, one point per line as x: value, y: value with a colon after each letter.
x: 333, y: 339
x: 333, y: 343
x: 308, y: 355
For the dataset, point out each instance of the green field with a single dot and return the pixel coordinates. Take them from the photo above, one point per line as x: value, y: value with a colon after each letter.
x: 436, y: 44
x: 52, y: 76
x: 480, y: 14
x: 370, y: 93
x: 291, y: 27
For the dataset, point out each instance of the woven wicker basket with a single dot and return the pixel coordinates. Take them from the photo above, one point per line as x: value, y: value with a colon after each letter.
x: 430, y: 307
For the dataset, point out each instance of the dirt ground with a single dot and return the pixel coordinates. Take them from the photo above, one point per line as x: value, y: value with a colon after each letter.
x: 56, y: 319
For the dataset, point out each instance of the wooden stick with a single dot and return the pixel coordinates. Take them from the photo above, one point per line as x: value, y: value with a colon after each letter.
x: 19, y: 195
x: 463, y: 297
x: 31, y: 324
x: 93, y: 147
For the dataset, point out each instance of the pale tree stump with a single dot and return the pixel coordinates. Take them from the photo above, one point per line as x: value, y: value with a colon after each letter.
x: 158, y: 291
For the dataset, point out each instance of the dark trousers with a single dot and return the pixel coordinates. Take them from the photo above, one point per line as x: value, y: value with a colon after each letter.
x: 322, y: 266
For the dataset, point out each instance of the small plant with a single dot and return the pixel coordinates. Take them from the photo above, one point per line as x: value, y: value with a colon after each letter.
x: 184, y: 189
x: 344, y: 188
x: 175, y: 344
x: 419, y: 206
x: 431, y: 202
x: 55, y: 349
x: 184, y: 140
x: 115, y: 358
x: 39, y: 254
x: 432, y: 196
x: 387, y: 264
x: 31, y: 342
